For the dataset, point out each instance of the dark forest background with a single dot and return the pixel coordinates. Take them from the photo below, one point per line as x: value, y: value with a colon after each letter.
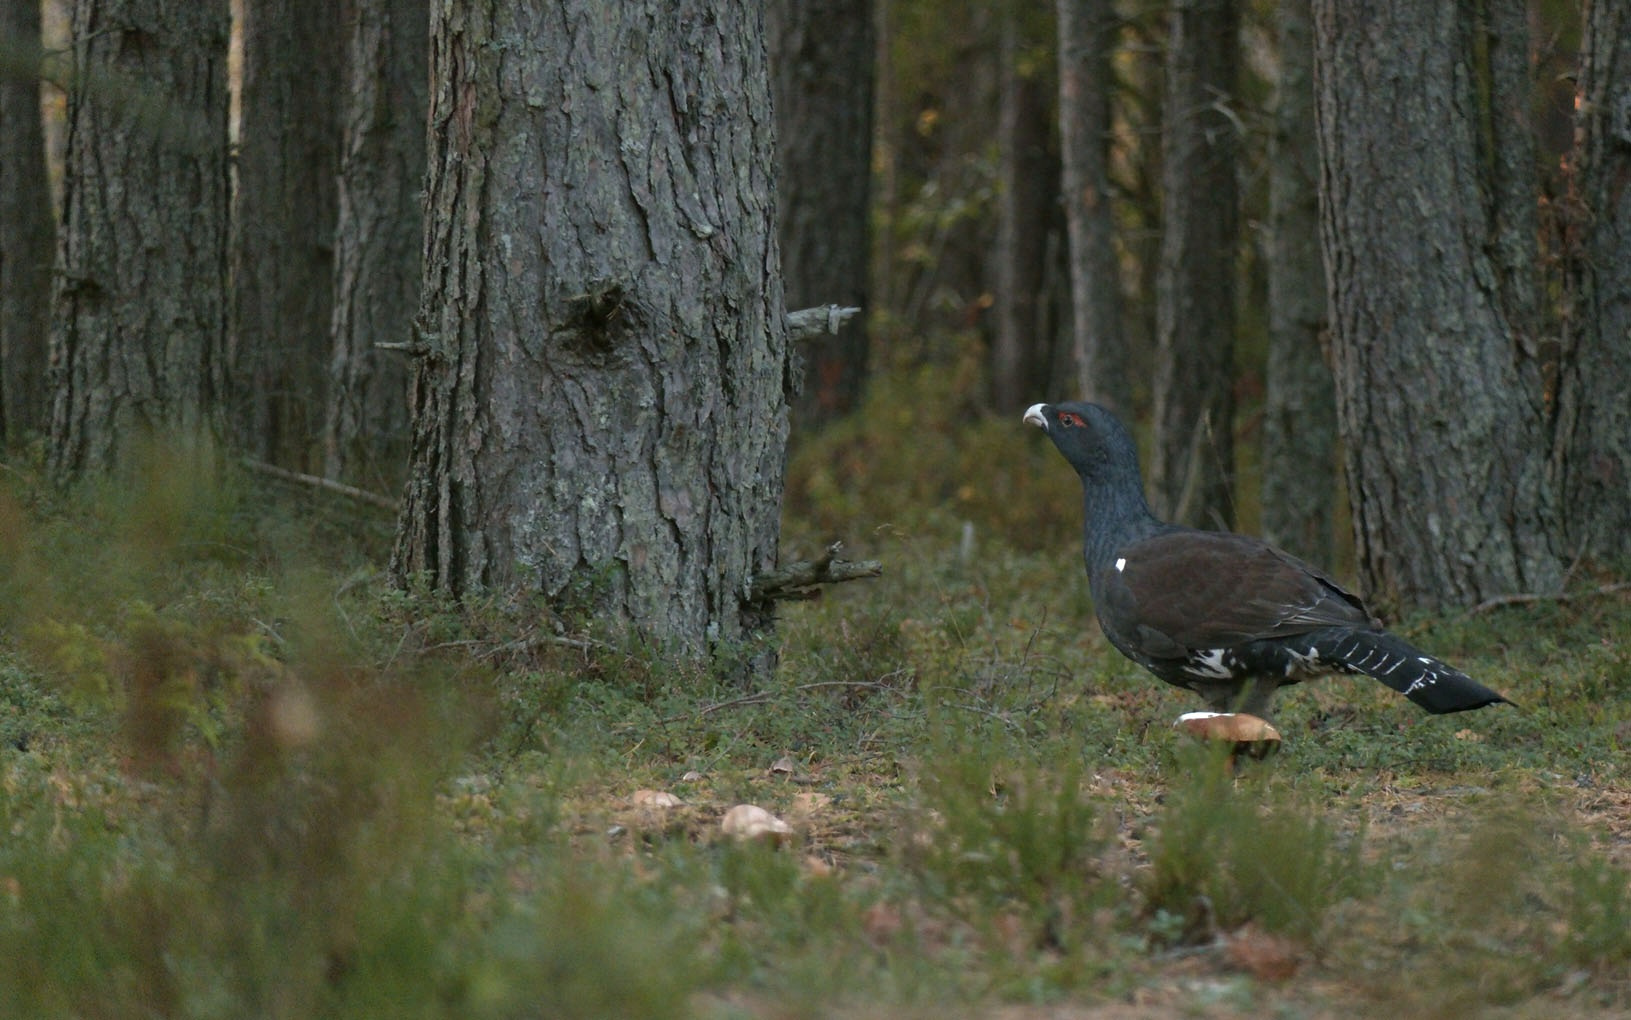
x: 1361, y: 284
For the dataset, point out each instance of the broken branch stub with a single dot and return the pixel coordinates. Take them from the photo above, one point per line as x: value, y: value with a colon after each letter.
x: 809, y: 322
x: 803, y: 579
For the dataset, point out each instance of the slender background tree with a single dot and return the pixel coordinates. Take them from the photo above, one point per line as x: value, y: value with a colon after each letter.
x: 1087, y: 31
x: 1299, y: 407
x: 1024, y: 330
x: 1192, y: 467
x: 1591, y: 395
x: 283, y: 226
x: 377, y: 240
x: 822, y: 60
x: 27, y: 225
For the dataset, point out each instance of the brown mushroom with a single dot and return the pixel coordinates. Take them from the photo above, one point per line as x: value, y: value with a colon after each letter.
x: 1249, y: 735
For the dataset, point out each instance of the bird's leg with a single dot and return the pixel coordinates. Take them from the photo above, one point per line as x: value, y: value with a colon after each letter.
x: 1257, y: 697
x: 1254, y: 697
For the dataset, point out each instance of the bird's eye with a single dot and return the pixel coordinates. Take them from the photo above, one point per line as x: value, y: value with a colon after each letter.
x: 1070, y: 419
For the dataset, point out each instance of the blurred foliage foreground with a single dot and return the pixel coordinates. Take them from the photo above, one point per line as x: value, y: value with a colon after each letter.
x: 241, y: 777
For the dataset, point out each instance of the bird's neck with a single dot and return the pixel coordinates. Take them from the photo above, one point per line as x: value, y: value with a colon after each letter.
x: 1113, y: 518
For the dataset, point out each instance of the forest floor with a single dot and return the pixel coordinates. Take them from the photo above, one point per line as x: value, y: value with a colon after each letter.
x: 239, y: 776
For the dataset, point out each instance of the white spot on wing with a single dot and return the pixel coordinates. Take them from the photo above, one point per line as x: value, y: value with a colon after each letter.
x: 1121, y: 564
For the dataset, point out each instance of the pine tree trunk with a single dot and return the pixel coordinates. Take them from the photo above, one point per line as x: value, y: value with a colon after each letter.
x: 1439, y: 392
x: 1087, y: 35
x: 823, y: 57
x: 139, y: 319
x: 27, y: 226
x: 283, y: 224
x: 1022, y: 342
x: 1299, y: 414
x: 601, y: 415
x: 1143, y: 70
x: 377, y: 242
x: 1596, y: 413
x: 1192, y: 470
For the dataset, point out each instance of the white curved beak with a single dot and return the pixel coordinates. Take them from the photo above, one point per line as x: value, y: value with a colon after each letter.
x: 1034, y: 416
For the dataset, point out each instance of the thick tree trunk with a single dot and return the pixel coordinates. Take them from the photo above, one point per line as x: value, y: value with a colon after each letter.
x: 1439, y: 392
x: 283, y: 223
x: 1087, y: 36
x: 601, y: 414
x: 1596, y: 413
x: 1299, y: 419
x: 27, y: 226
x: 1192, y: 469
x: 377, y: 242
x: 1022, y: 342
x: 823, y: 57
x: 140, y: 301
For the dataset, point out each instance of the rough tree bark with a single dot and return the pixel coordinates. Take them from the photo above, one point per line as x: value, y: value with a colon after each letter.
x: 139, y: 321
x: 1022, y: 340
x: 1595, y: 413
x: 600, y: 412
x: 1299, y: 413
x: 822, y: 59
x: 283, y: 225
x: 1192, y: 467
x: 1087, y: 36
x: 377, y: 241
x: 27, y: 225
x: 1439, y: 388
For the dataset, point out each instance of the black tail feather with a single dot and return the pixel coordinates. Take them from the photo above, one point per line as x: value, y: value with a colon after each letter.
x: 1436, y: 686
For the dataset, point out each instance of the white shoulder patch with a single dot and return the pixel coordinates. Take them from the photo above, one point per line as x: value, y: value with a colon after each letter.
x: 1121, y: 564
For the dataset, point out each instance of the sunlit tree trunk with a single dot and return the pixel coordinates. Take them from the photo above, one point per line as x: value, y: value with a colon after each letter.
x: 1192, y: 469
x: 140, y: 316
x: 601, y: 415
x: 27, y: 227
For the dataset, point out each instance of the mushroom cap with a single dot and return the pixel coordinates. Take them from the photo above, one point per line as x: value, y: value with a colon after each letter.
x: 1250, y: 735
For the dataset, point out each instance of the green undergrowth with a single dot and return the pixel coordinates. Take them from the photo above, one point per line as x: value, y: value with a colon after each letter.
x: 239, y: 776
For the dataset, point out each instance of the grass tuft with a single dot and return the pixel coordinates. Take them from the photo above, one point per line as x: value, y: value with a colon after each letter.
x: 1257, y: 850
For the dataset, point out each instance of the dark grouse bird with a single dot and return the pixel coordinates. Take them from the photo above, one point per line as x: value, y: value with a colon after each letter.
x: 1227, y: 616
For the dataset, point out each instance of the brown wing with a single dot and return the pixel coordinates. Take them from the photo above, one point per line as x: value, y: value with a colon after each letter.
x: 1206, y: 589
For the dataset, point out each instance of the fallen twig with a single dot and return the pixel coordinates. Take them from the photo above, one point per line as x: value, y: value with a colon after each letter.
x: 1527, y: 598
x: 326, y: 484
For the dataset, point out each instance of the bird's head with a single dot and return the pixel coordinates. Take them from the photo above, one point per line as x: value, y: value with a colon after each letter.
x: 1097, y: 445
